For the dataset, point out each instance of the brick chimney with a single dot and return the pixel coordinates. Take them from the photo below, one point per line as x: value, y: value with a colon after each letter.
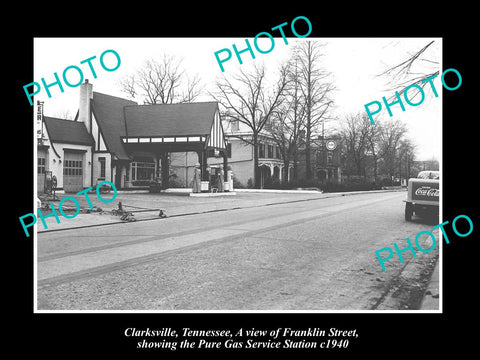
x: 86, y: 94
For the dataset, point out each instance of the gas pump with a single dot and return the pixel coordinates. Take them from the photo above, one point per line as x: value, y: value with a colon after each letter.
x: 50, y: 184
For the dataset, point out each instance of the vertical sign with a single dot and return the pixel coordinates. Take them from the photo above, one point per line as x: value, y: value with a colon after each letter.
x: 40, y: 121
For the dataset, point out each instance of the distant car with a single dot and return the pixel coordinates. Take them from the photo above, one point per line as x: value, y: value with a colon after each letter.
x: 423, y: 195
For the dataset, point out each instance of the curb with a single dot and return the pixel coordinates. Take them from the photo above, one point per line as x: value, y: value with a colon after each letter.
x: 209, y: 194
x: 431, y: 298
x: 266, y: 191
x: 269, y: 191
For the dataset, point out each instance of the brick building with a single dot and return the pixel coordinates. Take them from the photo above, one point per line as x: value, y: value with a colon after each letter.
x: 326, y: 159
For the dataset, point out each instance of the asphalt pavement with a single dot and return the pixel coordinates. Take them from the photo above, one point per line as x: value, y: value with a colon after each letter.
x: 301, y: 251
x: 145, y: 206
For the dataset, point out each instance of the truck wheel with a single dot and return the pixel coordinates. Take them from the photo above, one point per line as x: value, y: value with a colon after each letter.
x: 408, y: 212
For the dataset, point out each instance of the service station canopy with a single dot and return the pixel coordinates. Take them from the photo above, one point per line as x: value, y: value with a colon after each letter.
x: 175, y: 127
x: 162, y: 129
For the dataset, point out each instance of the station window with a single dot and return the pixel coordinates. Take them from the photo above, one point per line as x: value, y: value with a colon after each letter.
x: 41, y: 165
x: 102, y: 166
x: 143, y: 170
x: 73, y: 167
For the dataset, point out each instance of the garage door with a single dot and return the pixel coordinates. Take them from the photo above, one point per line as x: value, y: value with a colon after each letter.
x: 73, y: 171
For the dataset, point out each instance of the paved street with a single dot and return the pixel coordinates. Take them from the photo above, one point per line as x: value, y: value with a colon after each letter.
x: 249, y: 252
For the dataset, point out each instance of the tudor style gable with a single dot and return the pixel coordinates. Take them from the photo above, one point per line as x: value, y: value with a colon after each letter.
x: 216, y: 138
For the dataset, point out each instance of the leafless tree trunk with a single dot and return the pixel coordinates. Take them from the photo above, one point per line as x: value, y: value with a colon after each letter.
x: 355, y: 133
x: 406, y: 157
x: 372, y: 147
x: 289, y: 121
x: 247, y: 100
x: 162, y: 82
x: 316, y: 86
x: 390, y: 135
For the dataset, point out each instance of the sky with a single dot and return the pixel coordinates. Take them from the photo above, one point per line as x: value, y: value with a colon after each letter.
x: 353, y: 62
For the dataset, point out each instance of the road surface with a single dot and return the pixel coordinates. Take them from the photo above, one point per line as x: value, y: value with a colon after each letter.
x: 304, y: 254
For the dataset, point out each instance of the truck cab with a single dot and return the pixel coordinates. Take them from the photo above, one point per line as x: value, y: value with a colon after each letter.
x: 423, y: 195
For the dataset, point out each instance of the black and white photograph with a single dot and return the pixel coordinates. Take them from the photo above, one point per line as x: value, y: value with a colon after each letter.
x: 282, y: 183
x: 273, y: 174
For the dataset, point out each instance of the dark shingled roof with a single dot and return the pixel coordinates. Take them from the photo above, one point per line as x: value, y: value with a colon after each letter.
x: 108, y: 111
x: 119, y: 117
x: 67, y: 131
x: 170, y: 119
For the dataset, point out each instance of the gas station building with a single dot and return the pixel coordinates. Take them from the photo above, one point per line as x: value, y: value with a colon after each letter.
x: 131, y: 145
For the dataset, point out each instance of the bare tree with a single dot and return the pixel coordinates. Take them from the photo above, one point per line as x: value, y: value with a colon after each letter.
x: 286, y: 129
x: 247, y: 100
x: 406, y: 157
x: 162, y: 82
x: 383, y: 148
x: 390, y: 136
x: 64, y: 114
x: 372, y: 135
x: 316, y: 86
x: 289, y: 121
x: 413, y: 70
x: 355, y: 133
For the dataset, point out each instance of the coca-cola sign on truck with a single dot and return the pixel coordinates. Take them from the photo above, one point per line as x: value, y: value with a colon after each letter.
x: 425, y: 192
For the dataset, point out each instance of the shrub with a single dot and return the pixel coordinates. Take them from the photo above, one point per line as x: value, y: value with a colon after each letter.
x: 271, y: 183
x: 351, y: 186
x: 386, y: 182
x: 237, y: 184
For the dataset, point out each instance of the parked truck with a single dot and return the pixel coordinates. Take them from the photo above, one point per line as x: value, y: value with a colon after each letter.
x: 423, y: 195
